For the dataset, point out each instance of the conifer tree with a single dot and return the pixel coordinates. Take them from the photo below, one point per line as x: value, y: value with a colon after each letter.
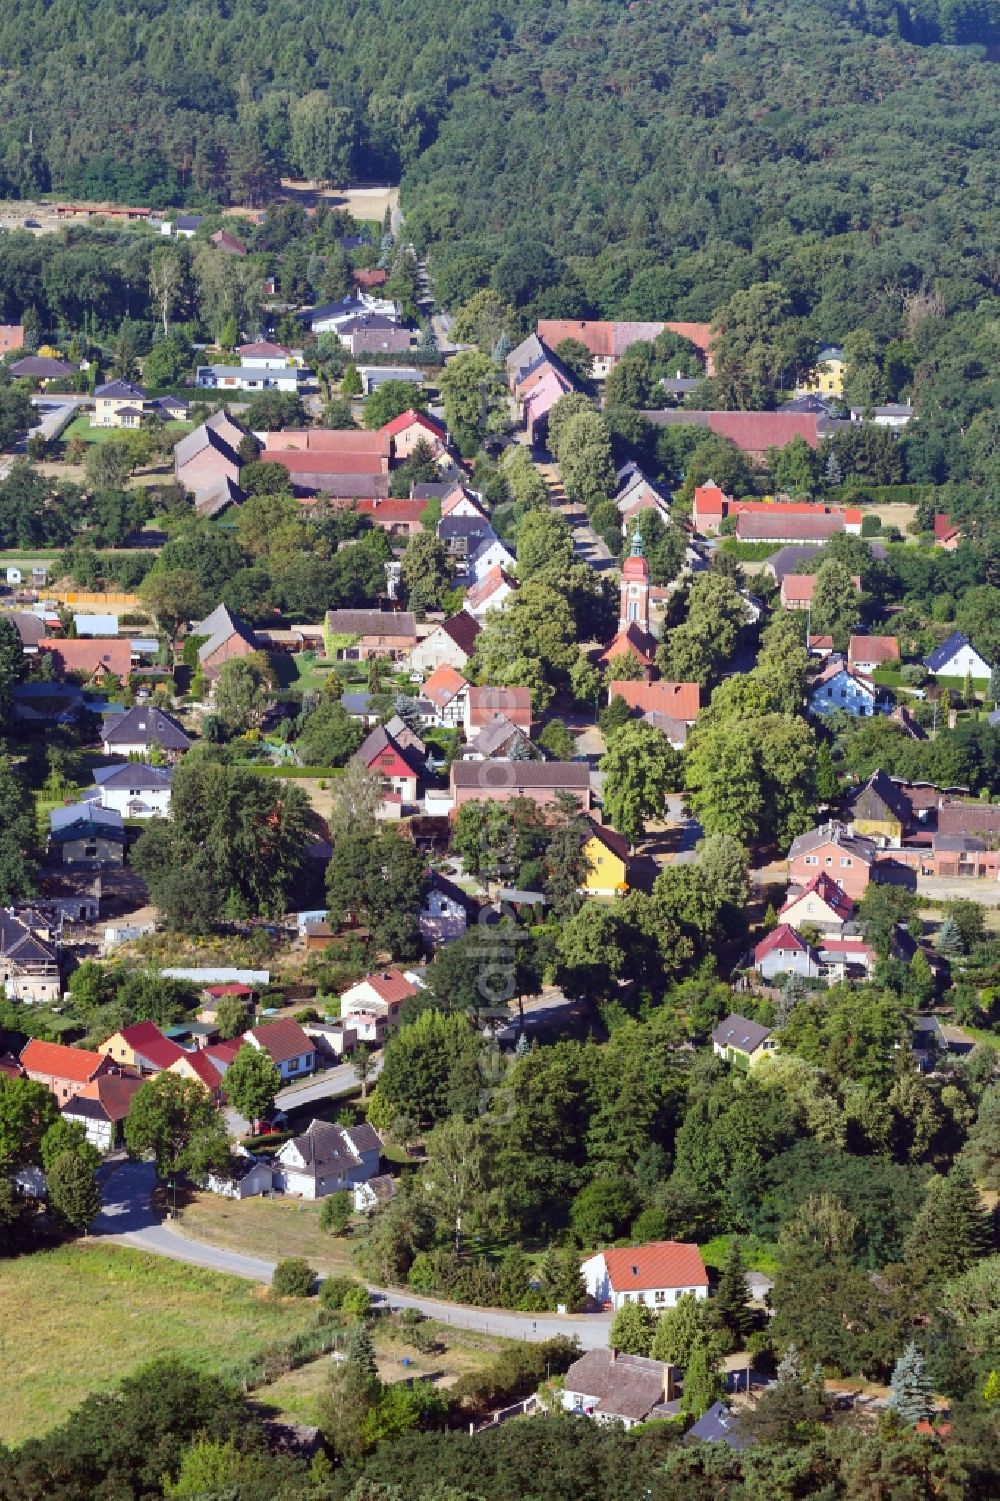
x: 910, y: 1389
x: 981, y: 1157
x: 952, y: 1229
x: 360, y: 1349
x: 732, y: 1300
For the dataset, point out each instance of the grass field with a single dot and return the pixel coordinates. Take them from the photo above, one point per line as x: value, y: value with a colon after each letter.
x: 82, y: 1317
x: 269, y: 1228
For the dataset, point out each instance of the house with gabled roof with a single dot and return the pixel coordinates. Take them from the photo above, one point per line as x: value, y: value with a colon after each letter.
x: 956, y: 657
x: 141, y: 1047
x: 328, y: 1159
x: 497, y: 780
x: 785, y: 952
x: 655, y: 1275
x: 452, y: 642
x: 822, y: 903
x: 63, y: 1070
x: 867, y: 653
x: 357, y: 635
x: 398, y: 767
x: 286, y: 1045
x: 881, y: 810
x: 501, y: 738
x: 411, y: 428
x: 490, y: 592
x: 839, y: 689
x: 609, y: 864
x: 86, y: 836
x: 119, y: 403
x: 446, y: 910
x: 485, y: 701
x: 134, y: 790
x: 946, y: 534
x: 448, y: 691
x: 797, y: 590
x: 102, y: 1107
x: 138, y: 731
x: 741, y: 1041
x: 92, y: 660
x: 611, y: 1386
x: 29, y: 962
x: 226, y: 635
x: 849, y: 858
x: 380, y: 994
x: 675, y: 700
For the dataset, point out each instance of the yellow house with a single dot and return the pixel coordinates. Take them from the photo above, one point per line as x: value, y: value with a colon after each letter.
x: 828, y: 376
x: 196, y: 1066
x: 142, y: 1047
x: 119, y: 404
x: 607, y: 862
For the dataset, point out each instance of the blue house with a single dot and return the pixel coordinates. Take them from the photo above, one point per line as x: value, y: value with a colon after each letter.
x: 840, y: 689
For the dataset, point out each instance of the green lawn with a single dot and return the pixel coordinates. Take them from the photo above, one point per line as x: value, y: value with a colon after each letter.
x: 82, y: 427
x: 82, y: 1317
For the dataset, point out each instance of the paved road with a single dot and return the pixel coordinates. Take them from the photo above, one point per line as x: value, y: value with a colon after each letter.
x: 590, y: 548
x: 330, y: 1085
x: 128, y: 1219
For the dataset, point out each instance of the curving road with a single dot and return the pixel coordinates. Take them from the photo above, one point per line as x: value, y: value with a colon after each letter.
x: 128, y: 1219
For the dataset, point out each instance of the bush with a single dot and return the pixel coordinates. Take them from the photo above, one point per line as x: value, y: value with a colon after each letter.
x: 334, y: 1290
x: 357, y: 1303
x: 293, y: 1278
x: 871, y: 526
x: 913, y: 675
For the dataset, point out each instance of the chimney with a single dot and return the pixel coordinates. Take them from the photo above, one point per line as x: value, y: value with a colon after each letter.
x: 669, y: 1383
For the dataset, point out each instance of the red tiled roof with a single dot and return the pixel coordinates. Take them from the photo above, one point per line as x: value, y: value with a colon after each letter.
x: 463, y: 629
x: 442, y: 685
x: 634, y: 639
x: 369, y: 276
x: 490, y: 582
x: 328, y: 440
x: 800, y: 586
x: 408, y: 419
x: 944, y: 528
x: 114, y: 1092
x: 390, y: 985
x: 753, y: 432
x: 264, y: 349
x: 223, y: 1052
x: 282, y: 1040
x: 781, y: 937
x: 325, y: 461
x: 231, y: 988
x: 487, y: 701
x: 709, y: 500
x: 386, y: 511
x: 612, y: 841
x: 91, y: 656
x: 678, y: 700
x: 59, y: 1061
x: 872, y: 649
x: 663, y: 1263
x: 829, y: 891
x: 148, y: 1042
x: 205, y: 1068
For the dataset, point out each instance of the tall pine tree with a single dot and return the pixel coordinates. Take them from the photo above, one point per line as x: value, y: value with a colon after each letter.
x: 18, y: 835
x: 732, y: 1300
x: 952, y: 1230
x: 910, y: 1388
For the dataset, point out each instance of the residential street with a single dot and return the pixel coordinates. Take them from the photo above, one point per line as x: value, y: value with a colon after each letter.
x: 128, y: 1219
x: 590, y: 547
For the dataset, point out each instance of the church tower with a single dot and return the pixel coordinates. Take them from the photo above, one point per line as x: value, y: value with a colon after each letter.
x: 634, y: 608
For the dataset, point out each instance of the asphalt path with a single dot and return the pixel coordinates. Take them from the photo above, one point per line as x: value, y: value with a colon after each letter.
x: 128, y: 1219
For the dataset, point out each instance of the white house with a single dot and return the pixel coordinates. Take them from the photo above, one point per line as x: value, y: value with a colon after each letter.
x: 327, y: 1159
x: 288, y: 1047
x: 445, y: 912
x: 380, y: 994
x: 287, y: 377
x: 137, y: 732
x: 957, y: 657
x: 135, y: 790
x: 101, y: 1108
x: 374, y: 1193
x: 490, y: 554
x: 656, y: 1274
x: 612, y: 1387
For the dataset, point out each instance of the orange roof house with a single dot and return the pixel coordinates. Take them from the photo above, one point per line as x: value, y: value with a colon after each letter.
x: 64, y: 1071
x: 677, y: 700
x: 655, y: 1275
x: 97, y: 657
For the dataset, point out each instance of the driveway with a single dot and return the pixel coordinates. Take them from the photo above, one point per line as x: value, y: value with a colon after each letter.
x: 128, y: 1219
x: 330, y: 1085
